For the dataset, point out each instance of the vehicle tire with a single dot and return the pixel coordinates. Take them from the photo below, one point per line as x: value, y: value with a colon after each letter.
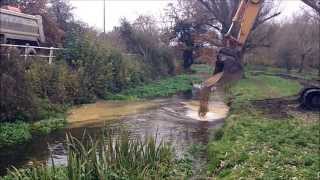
x: 310, y: 98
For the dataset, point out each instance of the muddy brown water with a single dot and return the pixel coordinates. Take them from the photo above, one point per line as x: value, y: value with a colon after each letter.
x: 174, y: 120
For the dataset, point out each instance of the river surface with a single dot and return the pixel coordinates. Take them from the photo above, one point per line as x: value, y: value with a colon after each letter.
x: 174, y: 120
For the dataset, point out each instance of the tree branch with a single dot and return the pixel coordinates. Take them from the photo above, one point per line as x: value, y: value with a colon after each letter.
x: 265, y: 20
x: 313, y: 4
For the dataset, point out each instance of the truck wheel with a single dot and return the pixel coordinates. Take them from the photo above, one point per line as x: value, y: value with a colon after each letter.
x: 310, y: 98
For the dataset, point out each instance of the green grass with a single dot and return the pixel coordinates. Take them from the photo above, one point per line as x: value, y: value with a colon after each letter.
x: 310, y: 74
x: 162, y: 88
x: 202, y: 68
x: 14, y: 133
x: 112, y: 157
x: 264, y: 87
x: 252, y: 145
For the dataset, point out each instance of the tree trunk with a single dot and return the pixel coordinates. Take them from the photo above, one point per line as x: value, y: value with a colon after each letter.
x: 302, y: 63
x: 288, y: 66
x: 319, y: 70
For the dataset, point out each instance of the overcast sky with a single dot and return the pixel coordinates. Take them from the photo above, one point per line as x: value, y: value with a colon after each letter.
x: 91, y: 11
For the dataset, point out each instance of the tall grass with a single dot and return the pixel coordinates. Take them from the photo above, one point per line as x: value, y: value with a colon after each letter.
x: 110, y: 157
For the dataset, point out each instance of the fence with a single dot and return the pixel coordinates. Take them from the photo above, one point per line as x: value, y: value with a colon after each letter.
x: 28, y: 48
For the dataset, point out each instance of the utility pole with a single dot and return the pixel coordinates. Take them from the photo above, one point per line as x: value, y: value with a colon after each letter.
x: 104, y: 16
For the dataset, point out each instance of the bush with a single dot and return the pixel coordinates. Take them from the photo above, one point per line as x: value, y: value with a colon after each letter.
x: 14, y: 133
x: 54, y: 82
x: 47, y: 126
x: 158, y: 58
x: 18, y: 102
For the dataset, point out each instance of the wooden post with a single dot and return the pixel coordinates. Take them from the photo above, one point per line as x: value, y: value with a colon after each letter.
x: 51, y: 55
x: 26, y: 53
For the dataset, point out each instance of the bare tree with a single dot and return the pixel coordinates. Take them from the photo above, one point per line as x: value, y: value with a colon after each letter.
x: 314, y: 4
x: 303, y: 35
x: 215, y: 15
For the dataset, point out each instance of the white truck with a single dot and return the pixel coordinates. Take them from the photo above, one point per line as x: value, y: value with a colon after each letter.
x: 24, y: 32
x: 20, y: 29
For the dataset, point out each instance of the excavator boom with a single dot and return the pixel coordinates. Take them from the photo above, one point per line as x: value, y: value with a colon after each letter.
x: 248, y: 19
x: 245, y: 17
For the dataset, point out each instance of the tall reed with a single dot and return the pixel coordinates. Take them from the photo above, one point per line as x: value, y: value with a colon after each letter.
x: 109, y: 157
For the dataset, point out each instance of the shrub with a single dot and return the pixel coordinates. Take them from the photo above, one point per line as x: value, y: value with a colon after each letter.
x: 147, y: 44
x: 18, y: 102
x: 54, y: 82
x: 14, y: 133
x: 47, y: 126
x: 101, y: 68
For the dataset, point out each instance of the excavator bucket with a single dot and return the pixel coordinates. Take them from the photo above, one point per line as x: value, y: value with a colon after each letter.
x: 228, y: 69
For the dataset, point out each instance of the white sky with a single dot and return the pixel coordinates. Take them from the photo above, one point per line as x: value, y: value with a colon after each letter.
x: 91, y: 11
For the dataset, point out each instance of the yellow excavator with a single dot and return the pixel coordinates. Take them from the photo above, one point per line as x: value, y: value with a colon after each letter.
x: 228, y: 66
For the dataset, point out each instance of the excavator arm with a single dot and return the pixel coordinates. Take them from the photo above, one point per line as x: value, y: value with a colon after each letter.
x: 228, y: 67
x: 245, y: 18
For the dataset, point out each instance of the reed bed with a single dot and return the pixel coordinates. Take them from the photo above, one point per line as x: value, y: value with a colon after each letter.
x: 110, y: 157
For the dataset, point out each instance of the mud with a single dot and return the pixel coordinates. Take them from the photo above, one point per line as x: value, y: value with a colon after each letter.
x: 283, y: 108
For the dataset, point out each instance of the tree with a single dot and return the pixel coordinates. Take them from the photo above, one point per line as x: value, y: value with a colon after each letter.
x: 304, y: 36
x: 223, y: 11
x: 207, y: 16
x: 61, y: 11
x: 314, y: 4
x: 146, y: 44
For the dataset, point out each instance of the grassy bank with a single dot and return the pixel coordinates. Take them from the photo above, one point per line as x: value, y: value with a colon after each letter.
x: 309, y: 74
x: 161, y: 88
x: 112, y: 157
x: 252, y: 145
x: 263, y: 87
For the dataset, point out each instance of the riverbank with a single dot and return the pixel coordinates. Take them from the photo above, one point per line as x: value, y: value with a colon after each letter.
x: 21, y: 132
x: 162, y: 88
x: 265, y: 142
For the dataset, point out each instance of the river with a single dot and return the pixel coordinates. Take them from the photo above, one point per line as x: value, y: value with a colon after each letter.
x: 174, y: 120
